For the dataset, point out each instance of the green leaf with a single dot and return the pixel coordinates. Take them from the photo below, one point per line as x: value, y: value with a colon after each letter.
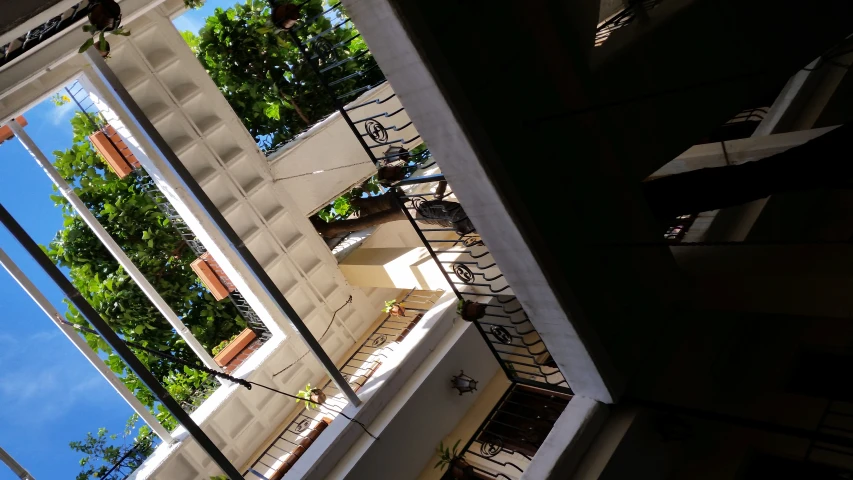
x: 146, y: 234
x: 88, y: 43
x: 139, y: 329
x: 272, y: 111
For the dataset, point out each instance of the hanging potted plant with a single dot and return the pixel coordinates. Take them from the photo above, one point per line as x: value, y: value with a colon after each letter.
x: 395, y: 308
x: 446, y: 214
x: 104, y: 17
x: 449, y: 457
x: 101, y: 44
x: 470, y: 311
x: 285, y: 16
x: 312, y: 397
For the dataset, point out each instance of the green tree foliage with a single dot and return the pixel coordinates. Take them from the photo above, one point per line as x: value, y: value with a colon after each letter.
x: 108, y: 457
x: 264, y: 76
x: 155, y: 247
x: 132, y: 218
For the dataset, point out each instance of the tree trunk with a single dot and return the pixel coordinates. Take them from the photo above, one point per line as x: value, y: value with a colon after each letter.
x: 819, y: 163
x: 289, y: 99
x: 375, y: 204
x: 333, y: 229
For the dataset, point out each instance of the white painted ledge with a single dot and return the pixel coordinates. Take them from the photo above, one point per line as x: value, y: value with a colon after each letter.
x: 565, y: 446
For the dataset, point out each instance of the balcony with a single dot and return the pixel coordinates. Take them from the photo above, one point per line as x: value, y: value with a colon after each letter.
x: 379, y: 352
x: 510, y: 435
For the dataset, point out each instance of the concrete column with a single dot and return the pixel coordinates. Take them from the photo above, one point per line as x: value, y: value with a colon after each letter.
x: 808, y: 280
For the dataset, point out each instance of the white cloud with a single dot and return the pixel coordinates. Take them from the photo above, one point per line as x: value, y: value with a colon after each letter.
x: 186, y: 22
x: 61, y: 114
x: 40, y: 384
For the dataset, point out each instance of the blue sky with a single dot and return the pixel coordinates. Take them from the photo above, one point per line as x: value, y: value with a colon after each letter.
x: 49, y: 394
x: 193, y: 20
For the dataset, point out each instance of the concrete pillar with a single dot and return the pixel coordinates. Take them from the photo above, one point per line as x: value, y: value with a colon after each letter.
x: 393, y: 268
x: 809, y: 280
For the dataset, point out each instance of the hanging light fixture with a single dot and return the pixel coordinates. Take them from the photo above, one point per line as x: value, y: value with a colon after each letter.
x: 463, y: 383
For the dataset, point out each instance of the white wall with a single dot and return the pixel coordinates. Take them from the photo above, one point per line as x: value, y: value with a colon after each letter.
x: 425, y: 411
x: 328, y: 159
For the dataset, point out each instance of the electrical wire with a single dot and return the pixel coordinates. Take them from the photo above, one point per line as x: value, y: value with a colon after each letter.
x: 239, y: 381
x: 349, y: 300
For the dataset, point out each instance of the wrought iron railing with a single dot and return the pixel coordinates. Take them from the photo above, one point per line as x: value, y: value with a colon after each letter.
x: 358, y: 368
x: 624, y: 17
x: 511, y: 434
x: 38, y: 35
x: 468, y: 266
x: 387, y: 137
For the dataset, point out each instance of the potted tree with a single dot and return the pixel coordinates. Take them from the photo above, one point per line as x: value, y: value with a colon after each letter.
x: 312, y: 397
x: 470, y: 311
x: 285, y: 16
x: 449, y: 457
x: 394, y: 308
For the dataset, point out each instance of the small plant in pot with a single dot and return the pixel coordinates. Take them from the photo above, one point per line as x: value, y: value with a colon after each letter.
x: 104, y: 17
x: 450, y: 458
x: 394, y: 308
x: 285, y: 16
x: 312, y: 397
x: 470, y: 311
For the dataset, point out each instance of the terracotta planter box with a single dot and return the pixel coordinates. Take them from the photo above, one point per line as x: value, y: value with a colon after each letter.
x: 370, y: 371
x: 409, y: 327
x: 116, y: 153
x: 306, y: 441
x: 6, y: 132
x: 207, y: 268
x: 226, y: 356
